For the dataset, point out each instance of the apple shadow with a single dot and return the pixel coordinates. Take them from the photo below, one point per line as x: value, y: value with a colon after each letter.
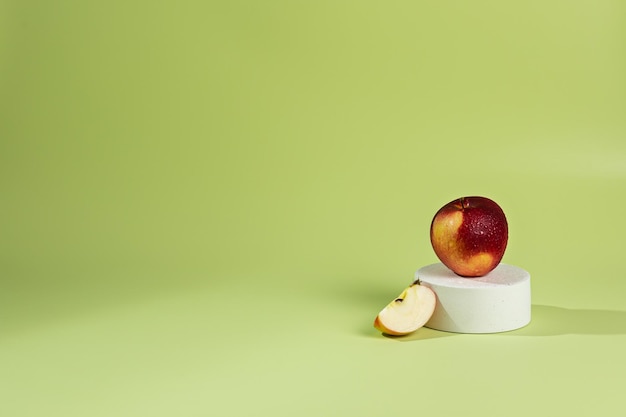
x: 423, y: 333
x: 555, y: 321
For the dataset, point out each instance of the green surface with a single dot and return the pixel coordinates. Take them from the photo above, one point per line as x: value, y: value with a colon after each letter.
x: 203, y: 205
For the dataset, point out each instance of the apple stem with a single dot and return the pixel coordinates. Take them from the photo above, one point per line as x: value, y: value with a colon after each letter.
x: 417, y: 282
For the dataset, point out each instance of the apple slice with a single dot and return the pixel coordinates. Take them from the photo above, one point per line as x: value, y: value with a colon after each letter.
x: 407, y: 313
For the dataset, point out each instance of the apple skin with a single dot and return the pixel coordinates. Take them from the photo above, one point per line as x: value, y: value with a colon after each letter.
x: 469, y: 235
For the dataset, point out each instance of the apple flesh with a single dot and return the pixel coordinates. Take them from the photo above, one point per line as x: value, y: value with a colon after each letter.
x: 408, y: 312
x: 469, y: 235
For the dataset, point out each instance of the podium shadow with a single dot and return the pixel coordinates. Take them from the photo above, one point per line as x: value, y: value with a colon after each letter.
x: 545, y: 321
x: 554, y: 321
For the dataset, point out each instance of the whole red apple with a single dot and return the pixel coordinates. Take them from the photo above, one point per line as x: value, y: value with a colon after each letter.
x: 469, y: 235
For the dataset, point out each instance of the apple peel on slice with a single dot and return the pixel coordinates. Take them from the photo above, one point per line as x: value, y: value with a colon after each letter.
x: 408, y: 312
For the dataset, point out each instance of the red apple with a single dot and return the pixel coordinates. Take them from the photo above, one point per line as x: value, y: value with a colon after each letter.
x: 469, y: 235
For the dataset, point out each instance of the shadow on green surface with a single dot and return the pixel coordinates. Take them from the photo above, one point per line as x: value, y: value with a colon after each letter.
x: 554, y: 321
x: 421, y: 334
x: 546, y: 321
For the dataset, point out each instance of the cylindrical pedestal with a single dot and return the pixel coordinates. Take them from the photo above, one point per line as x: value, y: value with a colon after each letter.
x: 496, y: 302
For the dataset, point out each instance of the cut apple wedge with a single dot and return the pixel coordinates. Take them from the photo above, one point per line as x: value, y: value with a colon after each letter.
x: 408, y: 312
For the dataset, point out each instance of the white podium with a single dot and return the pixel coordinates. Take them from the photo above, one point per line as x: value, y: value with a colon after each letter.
x: 496, y: 302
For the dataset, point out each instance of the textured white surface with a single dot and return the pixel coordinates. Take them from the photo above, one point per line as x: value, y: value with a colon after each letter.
x: 496, y: 302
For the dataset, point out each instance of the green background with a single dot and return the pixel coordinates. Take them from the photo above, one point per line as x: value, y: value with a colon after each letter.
x: 204, y: 205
